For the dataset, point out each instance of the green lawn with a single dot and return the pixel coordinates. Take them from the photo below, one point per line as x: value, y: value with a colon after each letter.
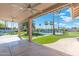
x: 72, y: 34
x: 49, y: 38
x: 54, y: 38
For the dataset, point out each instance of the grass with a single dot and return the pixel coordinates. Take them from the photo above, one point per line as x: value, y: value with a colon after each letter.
x: 72, y: 34
x: 54, y: 38
x: 49, y: 38
x: 24, y: 37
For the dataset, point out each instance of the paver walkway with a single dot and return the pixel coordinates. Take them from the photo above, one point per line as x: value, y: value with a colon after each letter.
x: 67, y: 45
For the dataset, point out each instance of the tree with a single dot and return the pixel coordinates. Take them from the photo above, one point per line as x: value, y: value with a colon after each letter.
x: 46, y: 23
x: 14, y: 28
x: 58, y: 15
x: 53, y: 26
x: 40, y: 26
x: 51, y: 23
x: 2, y: 25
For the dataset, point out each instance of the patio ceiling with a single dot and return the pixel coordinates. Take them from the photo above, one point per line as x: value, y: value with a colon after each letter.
x: 17, y: 12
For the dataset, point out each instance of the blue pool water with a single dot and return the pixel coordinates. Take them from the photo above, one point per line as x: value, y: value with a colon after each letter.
x: 2, y: 32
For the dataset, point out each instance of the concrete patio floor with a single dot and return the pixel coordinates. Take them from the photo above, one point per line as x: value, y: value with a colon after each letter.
x: 67, y: 45
x: 8, y: 38
x: 25, y: 48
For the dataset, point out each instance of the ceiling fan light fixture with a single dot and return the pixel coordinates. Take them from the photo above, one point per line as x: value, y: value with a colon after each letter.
x: 29, y: 6
x: 21, y: 8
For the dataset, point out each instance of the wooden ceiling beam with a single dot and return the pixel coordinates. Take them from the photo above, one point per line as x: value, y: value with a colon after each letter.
x: 75, y: 9
x: 52, y: 8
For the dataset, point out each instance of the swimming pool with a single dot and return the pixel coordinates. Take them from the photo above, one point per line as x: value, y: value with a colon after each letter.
x: 3, y: 32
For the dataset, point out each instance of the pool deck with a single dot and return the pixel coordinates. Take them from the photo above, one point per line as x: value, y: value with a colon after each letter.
x: 25, y: 48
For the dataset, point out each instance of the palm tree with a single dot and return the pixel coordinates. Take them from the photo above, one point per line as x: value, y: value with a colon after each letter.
x: 51, y: 23
x: 46, y: 23
x: 58, y: 14
x: 40, y: 26
x: 53, y: 26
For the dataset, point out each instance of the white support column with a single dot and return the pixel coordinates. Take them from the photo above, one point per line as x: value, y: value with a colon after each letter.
x: 30, y: 29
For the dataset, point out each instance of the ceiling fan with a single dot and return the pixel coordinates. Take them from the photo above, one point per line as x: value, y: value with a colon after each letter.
x: 27, y: 8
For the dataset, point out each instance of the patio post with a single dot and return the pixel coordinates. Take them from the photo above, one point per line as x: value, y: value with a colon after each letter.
x: 19, y: 29
x: 30, y: 29
x: 5, y: 26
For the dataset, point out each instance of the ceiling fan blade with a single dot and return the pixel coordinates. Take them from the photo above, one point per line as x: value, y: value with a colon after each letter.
x: 27, y: 8
x: 16, y: 6
x: 24, y: 11
x: 36, y: 10
x: 32, y: 7
x: 36, y: 5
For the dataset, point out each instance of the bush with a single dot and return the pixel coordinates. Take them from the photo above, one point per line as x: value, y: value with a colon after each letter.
x: 34, y: 34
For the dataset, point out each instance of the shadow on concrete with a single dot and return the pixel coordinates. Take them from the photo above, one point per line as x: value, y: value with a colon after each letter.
x: 25, y: 48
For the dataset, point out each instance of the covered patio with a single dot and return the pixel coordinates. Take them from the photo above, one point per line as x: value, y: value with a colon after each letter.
x: 20, y: 12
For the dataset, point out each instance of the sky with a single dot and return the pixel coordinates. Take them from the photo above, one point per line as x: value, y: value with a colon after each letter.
x: 64, y: 18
